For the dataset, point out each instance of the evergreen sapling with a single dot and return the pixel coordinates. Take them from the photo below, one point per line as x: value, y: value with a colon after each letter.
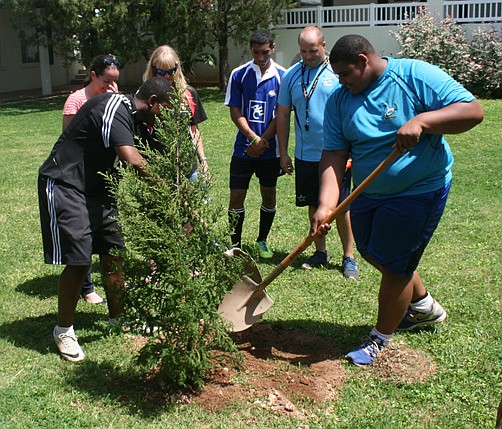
x: 175, y: 267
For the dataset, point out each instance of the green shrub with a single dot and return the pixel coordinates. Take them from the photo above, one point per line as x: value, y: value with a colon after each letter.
x: 475, y: 64
x: 175, y: 268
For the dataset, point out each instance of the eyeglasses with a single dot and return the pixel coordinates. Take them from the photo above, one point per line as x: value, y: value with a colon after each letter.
x: 162, y: 72
x: 108, y: 61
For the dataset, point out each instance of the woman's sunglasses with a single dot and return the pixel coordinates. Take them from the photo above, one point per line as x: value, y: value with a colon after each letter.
x: 162, y: 72
x: 108, y: 61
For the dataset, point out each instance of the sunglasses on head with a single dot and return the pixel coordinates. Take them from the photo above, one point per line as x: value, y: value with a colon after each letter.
x: 162, y: 72
x: 108, y: 61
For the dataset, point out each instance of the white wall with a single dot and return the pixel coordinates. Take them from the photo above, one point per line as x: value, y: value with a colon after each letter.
x: 14, y: 75
x: 380, y: 38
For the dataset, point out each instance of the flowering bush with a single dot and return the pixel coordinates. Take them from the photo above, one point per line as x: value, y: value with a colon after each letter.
x: 475, y: 64
x: 486, y: 53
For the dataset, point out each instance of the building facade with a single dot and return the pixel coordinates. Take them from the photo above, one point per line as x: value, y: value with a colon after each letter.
x: 26, y: 67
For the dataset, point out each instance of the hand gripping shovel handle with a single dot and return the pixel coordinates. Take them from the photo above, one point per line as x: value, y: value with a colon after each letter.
x: 288, y: 260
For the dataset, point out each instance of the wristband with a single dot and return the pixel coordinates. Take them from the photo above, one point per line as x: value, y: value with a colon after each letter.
x: 255, y: 139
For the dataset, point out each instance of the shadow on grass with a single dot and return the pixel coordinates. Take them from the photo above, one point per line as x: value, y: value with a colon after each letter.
x: 40, y: 287
x: 129, y: 385
x: 47, y: 286
x: 311, y: 341
x: 211, y: 94
x: 140, y: 392
x: 297, y: 264
x: 136, y: 391
x: 35, y: 333
x: 32, y: 106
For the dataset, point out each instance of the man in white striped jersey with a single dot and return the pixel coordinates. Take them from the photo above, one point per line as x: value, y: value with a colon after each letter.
x: 78, y: 215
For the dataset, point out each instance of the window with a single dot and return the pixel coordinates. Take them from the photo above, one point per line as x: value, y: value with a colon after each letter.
x: 29, y: 51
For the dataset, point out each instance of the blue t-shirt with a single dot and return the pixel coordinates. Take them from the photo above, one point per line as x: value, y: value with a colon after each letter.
x: 309, y: 143
x: 256, y: 96
x: 367, y: 124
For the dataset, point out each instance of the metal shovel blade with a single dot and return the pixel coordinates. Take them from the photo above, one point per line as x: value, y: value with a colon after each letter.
x: 244, y: 304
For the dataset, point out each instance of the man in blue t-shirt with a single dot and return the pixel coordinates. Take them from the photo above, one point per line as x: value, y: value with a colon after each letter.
x: 252, y: 97
x: 305, y: 87
x: 382, y: 103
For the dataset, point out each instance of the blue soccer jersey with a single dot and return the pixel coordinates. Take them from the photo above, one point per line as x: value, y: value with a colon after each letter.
x: 256, y: 96
x: 367, y: 124
x: 298, y: 84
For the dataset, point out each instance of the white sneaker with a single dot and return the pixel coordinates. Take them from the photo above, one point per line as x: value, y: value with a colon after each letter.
x: 68, y: 346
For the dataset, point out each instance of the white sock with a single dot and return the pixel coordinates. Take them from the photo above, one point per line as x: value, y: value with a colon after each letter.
x: 58, y: 330
x: 424, y: 304
x: 387, y: 338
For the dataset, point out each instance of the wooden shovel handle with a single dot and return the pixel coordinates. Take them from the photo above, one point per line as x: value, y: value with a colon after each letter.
x: 288, y: 260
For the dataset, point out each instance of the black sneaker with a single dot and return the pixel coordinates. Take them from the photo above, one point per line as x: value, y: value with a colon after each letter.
x: 318, y: 259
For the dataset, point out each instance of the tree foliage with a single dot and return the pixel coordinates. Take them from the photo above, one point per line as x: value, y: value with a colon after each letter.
x: 82, y: 29
x: 131, y: 30
x: 175, y: 268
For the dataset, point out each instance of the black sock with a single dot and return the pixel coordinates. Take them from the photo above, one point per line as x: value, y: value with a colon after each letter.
x: 266, y: 219
x: 236, y: 219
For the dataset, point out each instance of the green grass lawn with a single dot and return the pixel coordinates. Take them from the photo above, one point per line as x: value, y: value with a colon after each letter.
x: 461, y: 267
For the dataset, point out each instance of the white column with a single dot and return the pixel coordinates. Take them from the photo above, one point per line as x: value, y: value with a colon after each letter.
x: 435, y: 8
x: 45, y: 70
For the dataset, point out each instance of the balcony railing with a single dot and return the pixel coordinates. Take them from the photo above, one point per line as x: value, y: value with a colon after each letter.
x: 474, y: 11
x: 463, y: 11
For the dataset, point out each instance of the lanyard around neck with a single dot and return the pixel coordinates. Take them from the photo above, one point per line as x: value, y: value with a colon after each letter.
x: 308, y: 95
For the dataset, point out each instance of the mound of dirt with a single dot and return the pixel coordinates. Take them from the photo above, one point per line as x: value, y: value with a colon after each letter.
x: 293, y: 373
x: 282, y: 370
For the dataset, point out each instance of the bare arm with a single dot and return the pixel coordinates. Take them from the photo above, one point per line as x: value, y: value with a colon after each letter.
x: 259, y: 146
x: 283, y: 130
x: 66, y: 120
x: 197, y: 139
x: 453, y: 119
x: 241, y: 123
x: 131, y: 155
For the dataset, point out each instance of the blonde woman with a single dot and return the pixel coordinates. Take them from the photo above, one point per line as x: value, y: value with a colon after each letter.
x: 165, y: 63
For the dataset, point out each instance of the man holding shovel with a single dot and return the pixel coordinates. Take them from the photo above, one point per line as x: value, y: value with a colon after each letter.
x: 385, y: 103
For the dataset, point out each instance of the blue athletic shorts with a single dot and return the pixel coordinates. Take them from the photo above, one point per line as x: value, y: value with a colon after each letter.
x: 395, y: 231
x: 307, y: 184
x: 242, y: 169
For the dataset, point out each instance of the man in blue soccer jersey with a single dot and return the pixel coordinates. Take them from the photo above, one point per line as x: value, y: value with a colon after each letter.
x: 252, y: 97
x: 382, y: 103
x: 305, y: 88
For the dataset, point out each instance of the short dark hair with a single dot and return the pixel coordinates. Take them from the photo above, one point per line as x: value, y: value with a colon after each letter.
x: 155, y: 85
x: 347, y: 49
x: 260, y: 37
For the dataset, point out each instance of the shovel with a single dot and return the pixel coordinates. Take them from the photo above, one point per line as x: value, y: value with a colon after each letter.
x: 247, y: 301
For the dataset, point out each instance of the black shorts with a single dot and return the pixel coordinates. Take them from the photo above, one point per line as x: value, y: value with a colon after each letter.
x: 242, y: 169
x: 76, y: 226
x: 307, y: 184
